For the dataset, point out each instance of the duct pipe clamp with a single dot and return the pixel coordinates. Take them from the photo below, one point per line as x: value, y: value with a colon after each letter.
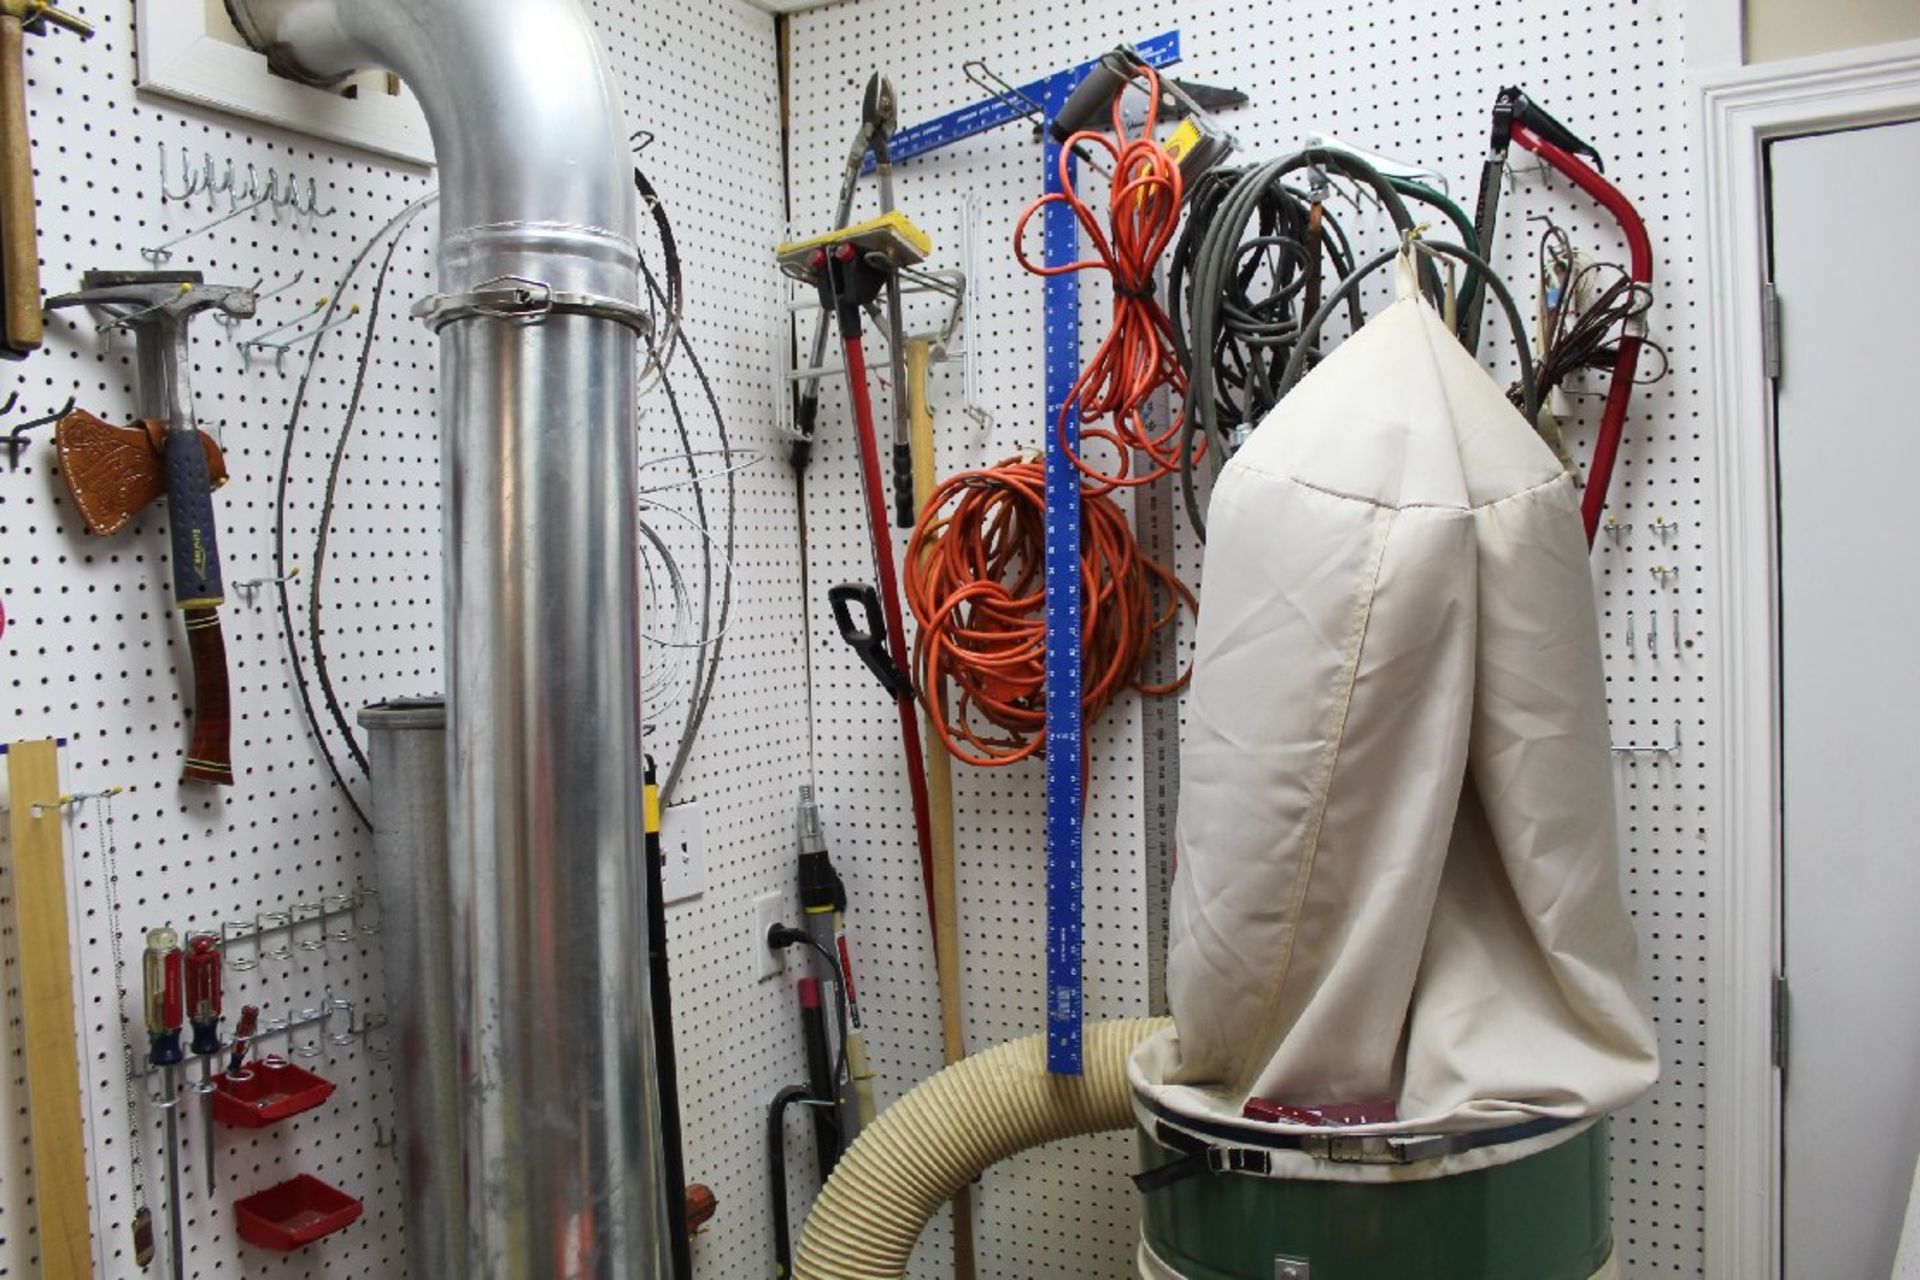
x: 521, y: 300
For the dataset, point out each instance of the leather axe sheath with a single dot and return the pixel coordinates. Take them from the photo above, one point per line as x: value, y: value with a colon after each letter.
x: 114, y: 472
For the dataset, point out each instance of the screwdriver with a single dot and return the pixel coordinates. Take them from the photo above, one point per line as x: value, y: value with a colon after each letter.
x: 166, y: 995
x: 203, y: 1013
x: 243, y: 1036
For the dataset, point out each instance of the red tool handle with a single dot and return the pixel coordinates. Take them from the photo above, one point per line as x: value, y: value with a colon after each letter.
x: 1606, y: 446
x: 881, y: 533
x: 166, y: 1002
x: 209, y: 749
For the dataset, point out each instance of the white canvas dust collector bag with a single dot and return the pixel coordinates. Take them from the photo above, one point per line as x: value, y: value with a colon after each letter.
x: 1398, y: 875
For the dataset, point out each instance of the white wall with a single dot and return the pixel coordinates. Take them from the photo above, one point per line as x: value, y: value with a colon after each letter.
x: 1793, y: 28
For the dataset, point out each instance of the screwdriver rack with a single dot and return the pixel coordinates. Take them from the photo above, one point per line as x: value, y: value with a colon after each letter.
x: 318, y: 1017
x: 308, y: 925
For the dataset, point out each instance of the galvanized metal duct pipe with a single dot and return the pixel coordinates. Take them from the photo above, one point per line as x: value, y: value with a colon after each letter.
x: 539, y: 275
x: 407, y: 753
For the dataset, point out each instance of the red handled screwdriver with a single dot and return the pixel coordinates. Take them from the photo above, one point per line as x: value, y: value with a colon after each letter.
x: 166, y: 998
x: 203, y: 1013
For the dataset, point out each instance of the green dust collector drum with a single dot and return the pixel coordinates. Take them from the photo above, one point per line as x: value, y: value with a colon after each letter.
x: 1531, y: 1207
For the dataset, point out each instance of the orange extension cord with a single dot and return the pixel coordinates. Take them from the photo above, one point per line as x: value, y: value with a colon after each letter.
x: 975, y: 574
x: 1137, y: 357
x: 974, y: 580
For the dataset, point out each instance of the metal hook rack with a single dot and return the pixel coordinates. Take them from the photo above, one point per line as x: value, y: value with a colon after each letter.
x: 315, y: 1016
x: 247, y: 586
x: 285, y: 345
x: 280, y: 192
x: 1670, y: 751
x: 67, y: 801
x: 300, y: 915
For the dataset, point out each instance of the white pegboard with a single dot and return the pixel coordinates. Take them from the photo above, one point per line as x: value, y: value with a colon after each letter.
x: 87, y: 657
x: 91, y: 652
x: 1414, y: 80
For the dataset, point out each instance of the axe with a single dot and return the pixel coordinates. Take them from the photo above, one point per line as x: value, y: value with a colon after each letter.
x: 114, y: 471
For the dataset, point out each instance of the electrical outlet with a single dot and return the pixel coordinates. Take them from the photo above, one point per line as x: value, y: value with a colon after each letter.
x: 769, y: 909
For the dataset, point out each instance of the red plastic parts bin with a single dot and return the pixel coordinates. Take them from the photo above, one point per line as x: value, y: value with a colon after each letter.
x: 273, y: 1090
x: 295, y: 1213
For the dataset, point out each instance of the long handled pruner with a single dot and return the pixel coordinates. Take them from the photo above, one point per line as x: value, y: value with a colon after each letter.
x: 879, y: 117
x: 1518, y: 119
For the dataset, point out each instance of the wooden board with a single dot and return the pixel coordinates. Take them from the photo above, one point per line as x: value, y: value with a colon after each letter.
x: 46, y: 995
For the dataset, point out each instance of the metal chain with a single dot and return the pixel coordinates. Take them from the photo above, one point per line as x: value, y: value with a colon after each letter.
x: 110, y: 859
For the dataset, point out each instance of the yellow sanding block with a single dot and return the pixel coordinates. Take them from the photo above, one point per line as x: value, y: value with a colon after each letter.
x: 892, y: 234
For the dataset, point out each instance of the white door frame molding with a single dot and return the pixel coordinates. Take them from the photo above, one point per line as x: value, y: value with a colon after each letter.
x: 1742, y: 109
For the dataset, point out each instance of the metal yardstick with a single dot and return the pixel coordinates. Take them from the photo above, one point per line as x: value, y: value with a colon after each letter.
x: 157, y: 308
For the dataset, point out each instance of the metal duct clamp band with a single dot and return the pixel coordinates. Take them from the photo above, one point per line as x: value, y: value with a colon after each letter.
x: 521, y: 300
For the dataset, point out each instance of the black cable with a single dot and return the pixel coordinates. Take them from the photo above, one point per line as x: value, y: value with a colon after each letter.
x: 672, y: 299
x: 779, y: 937
x: 326, y: 514
x: 1529, y: 382
x: 1235, y: 343
x: 1589, y: 338
x: 394, y: 226
x: 777, y: 1171
x: 820, y: 1078
x: 666, y: 1059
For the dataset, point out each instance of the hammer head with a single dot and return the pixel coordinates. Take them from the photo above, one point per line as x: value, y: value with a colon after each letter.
x: 157, y: 297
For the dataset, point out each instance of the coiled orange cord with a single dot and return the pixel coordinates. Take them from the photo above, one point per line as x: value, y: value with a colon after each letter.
x: 1137, y: 356
x: 974, y: 583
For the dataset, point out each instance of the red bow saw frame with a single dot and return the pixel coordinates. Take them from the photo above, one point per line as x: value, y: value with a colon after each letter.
x: 1517, y: 119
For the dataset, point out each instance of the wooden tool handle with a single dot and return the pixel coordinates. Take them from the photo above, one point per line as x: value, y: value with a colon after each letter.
x: 19, y: 234
x: 210, y: 752
x: 946, y: 881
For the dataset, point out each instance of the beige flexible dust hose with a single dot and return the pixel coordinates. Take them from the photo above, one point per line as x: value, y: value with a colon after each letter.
x: 952, y: 1126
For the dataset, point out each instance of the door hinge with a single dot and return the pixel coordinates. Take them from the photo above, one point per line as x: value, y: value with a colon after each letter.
x: 1770, y: 328
x: 1782, y: 1013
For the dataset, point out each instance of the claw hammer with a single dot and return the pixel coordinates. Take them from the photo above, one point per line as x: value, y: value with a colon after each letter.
x: 20, y: 324
x: 157, y: 308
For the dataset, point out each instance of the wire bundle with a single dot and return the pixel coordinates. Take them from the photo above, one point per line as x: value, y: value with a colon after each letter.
x: 1137, y: 356
x: 1576, y: 337
x: 1243, y: 277
x: 975, y: 583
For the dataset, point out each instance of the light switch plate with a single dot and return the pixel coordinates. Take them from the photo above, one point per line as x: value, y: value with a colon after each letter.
x: 683, y: 842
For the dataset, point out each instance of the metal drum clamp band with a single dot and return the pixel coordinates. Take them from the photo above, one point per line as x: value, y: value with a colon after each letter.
x: 519, y: 300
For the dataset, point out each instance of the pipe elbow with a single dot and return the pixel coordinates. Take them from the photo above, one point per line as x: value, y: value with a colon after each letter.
x: 527, y: 125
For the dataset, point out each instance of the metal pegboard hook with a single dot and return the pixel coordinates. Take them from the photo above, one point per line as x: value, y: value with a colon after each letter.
x: 319, y: 306
x: 285, y: 345
x: 17, y: 438
x: 162, y: 252
x: 189, y: 180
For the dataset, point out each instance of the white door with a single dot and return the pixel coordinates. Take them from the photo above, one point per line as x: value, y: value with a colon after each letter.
x: 1847, y: 268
